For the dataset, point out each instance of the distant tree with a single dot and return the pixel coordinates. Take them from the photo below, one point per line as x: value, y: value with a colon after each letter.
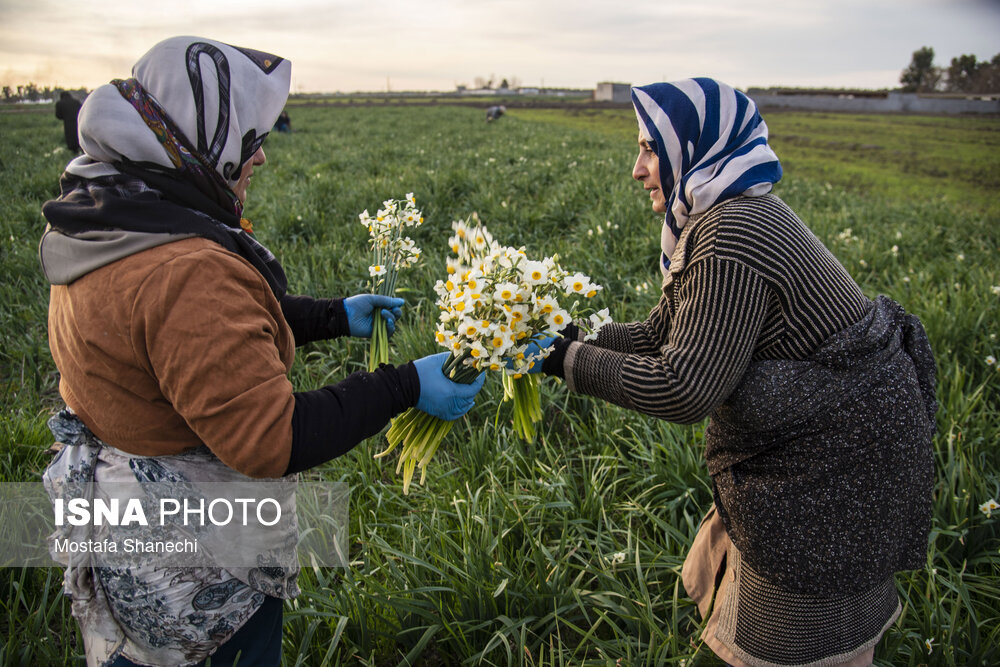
x: 921, y: 75
x: 7, y: 92
x: 503, y: 85
x: 968, y: 75
x: 963, y: 74
x: 989, y: 80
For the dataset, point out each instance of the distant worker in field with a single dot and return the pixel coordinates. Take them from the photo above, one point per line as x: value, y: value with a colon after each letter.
x: 284, y: 122
x: 67, y: 110
x: 822, y: 401
x: 494, y: 113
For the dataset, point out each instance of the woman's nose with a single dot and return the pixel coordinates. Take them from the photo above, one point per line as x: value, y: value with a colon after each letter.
x: 639, y: 170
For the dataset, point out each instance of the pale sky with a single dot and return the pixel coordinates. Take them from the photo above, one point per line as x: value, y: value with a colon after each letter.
x: 372, y: 45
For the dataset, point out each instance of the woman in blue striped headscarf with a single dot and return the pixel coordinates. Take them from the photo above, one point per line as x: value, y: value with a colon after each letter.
x: 821, y: 400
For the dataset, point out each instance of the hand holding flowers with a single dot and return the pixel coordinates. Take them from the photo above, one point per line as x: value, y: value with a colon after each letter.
x: 361, y: 310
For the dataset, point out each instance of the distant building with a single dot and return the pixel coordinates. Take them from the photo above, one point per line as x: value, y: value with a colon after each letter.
x: 619, y: 93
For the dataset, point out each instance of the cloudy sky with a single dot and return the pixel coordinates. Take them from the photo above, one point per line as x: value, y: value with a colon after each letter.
x: 372, y: 45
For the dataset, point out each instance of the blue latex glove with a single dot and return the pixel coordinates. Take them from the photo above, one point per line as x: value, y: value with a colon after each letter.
x: 538, y: 343
x: 361, y: 308
x: 441, y: 397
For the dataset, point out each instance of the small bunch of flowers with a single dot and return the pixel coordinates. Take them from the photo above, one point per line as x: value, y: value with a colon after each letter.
x: 391, y: 251
x: 494, y: 301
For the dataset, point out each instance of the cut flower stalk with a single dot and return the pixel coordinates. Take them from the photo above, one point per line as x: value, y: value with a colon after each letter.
x: 524, y: 391
x: 420, y: 433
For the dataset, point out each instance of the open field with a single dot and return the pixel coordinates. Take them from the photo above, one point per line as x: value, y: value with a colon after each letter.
x: 567, y: 551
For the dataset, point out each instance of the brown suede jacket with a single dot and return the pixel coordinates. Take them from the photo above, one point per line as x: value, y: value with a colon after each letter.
x: 177, y: 346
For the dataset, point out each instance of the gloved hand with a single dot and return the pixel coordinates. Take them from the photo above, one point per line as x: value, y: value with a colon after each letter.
x: 538, y: 343
x: 361, y: 308
x: 440, y: 396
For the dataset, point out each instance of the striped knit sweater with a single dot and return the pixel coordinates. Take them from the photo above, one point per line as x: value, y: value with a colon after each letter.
x: 748, y: 282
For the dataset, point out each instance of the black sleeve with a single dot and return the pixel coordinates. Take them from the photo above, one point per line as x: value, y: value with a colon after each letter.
x: 329, y: 422
x: 553, y: 364
x: 314, y: 319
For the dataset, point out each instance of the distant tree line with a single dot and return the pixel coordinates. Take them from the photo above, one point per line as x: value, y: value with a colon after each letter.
x: 30, y: 92
x: 966, y: 74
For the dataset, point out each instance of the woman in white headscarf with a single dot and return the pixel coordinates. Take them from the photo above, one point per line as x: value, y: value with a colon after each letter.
x: 173, y: 333
x: 821, y: 400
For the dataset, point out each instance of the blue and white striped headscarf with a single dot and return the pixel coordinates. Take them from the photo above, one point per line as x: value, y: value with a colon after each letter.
x: 711, y: 144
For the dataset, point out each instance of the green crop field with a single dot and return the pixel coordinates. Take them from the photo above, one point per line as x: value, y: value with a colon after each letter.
x: 566, y: 551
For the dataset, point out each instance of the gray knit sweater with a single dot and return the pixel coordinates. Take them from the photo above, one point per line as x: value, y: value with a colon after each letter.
x: 822, y: 476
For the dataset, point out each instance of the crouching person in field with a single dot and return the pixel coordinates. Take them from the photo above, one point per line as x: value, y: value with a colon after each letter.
x: 173, y: 332
x: 494, y: 113
x: 821, y: 400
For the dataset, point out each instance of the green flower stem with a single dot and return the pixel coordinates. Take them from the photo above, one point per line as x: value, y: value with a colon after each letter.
x: 378, y: 348
x: 526, y: 396
x: 420, y: 433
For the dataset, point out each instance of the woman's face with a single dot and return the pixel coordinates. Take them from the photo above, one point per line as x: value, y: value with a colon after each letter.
x: 244, y: 181
x: 647, y: 171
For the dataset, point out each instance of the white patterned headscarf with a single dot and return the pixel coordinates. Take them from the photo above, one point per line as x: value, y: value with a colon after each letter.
x: 711, y: 144
x: 193, y: 105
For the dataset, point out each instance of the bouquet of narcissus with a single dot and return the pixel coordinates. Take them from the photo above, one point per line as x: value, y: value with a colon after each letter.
x: 391, y: 251
x: 494, y: 301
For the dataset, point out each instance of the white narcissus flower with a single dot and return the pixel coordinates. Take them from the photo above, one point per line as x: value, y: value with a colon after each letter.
x: 443, y: 335
x: 545, y: 305
x: 988, y: 507
x: 516, y: 314
x: 469, y: 327
x: 376, y: 270
x: 505, y: 292
x: 478, y: 351
x: 558, y: 319
x: 533, y: 273
x: 596, y: 321
x: 577, y: 283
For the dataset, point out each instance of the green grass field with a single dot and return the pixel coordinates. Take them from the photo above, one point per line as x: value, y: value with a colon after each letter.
x: 567, y: 551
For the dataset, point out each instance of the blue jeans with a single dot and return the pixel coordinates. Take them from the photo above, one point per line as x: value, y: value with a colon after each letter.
x: 256, y: 644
